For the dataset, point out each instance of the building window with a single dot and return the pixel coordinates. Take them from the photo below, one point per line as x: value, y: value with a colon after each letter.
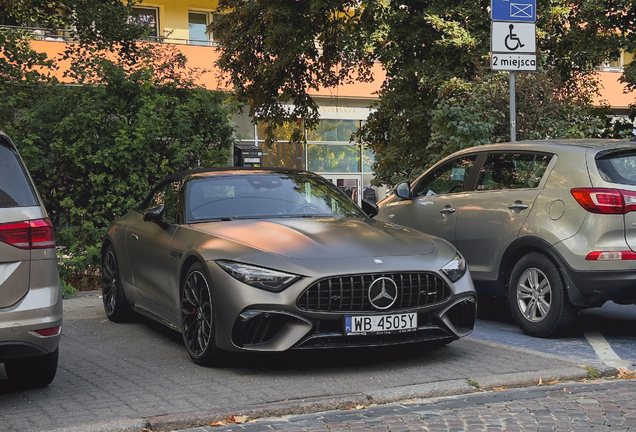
x: 333, y: 130
x: 148, y: 17
x: 198, y: 23
x: 326, y: 158
x: 198, y: 26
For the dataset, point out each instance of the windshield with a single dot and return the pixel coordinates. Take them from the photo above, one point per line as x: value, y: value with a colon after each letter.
x: 265, y: 195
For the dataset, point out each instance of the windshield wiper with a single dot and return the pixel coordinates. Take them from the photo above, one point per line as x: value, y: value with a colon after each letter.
x: 221, y: 219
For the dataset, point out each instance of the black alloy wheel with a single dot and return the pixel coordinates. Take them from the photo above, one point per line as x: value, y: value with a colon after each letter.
x: 115, y: 303
x: 537, y: 297
x: 197, y: 318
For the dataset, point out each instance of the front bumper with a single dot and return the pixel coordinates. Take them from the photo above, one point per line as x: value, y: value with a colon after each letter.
x: 272, y: 330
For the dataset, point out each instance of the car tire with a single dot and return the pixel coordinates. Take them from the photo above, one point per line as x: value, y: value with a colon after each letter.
x: 33, y: 372
x: 198, y: 320
x: 115, y: 303
x: 537, y: 297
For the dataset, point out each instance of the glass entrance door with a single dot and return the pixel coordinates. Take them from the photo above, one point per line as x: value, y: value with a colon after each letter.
x: 350, y: 184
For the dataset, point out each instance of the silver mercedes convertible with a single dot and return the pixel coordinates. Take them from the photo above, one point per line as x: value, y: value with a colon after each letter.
x: 273, y: 259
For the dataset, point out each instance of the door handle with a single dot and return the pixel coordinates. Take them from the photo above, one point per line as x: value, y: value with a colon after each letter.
x: 518, y: 205
x: 447, y: 210
x: 133, y: 235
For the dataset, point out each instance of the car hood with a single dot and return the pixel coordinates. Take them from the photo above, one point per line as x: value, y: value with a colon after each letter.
x: 322, y: 238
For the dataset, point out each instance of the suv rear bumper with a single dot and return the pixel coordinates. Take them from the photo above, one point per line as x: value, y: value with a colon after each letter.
x: 593, y: 288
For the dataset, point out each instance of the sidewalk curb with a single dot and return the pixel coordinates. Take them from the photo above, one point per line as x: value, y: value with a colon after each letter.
x: 342, y: 402
x: 275, y: 409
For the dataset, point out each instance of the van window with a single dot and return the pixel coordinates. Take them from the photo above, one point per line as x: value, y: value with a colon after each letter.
x: 15, y: 188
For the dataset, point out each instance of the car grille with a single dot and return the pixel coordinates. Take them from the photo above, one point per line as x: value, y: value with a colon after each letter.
x: 350, y: 293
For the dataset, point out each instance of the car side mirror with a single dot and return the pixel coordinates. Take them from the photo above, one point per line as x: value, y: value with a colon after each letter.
x: 154, y: 214
x: 370, y: 208
x: 403, y: 190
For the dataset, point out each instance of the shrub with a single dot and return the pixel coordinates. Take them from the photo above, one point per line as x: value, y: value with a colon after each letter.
x: 95, y: 150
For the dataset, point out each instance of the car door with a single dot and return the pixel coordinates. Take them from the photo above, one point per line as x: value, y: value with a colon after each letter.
x: 148, y: 247
x: 491, y: 216
x: 436, y: 198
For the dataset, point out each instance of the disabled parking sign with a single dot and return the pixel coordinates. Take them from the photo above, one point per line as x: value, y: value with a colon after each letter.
x: 513, y: 37
x: 513, y: 10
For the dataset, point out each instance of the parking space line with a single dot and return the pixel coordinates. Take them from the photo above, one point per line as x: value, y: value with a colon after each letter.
x: 604, y: 350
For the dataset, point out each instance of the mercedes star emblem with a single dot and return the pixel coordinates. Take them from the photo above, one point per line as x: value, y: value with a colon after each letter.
x: 382, y: 293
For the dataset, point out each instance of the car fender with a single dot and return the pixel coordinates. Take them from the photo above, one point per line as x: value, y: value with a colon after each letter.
x: 523, y: 246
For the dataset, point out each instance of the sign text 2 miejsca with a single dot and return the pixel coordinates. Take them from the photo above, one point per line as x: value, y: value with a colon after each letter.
x: 380, y: 324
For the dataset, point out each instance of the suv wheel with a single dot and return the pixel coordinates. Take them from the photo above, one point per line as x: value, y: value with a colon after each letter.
x: 537, y: 297
x: 33, y: 372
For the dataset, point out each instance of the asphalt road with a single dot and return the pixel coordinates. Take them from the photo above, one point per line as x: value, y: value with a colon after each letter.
x: 129, y: 377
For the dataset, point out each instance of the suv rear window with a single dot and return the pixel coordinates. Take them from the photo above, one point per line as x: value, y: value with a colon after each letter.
x: 15, y: 188
x: 618, y: 167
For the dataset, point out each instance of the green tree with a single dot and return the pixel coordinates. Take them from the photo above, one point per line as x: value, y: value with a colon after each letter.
x: 422, y: 45
x: 277, y: 50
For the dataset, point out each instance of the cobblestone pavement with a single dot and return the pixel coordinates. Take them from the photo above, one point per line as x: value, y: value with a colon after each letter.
x: 116, y: 377
x: 602, y: 406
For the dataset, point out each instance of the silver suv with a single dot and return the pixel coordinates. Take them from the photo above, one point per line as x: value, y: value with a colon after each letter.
x: 30, y: 293
x: 549, y: 224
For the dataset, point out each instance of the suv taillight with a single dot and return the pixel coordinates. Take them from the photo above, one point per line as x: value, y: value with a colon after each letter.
x: 607, y: 201
x: 34, y: 234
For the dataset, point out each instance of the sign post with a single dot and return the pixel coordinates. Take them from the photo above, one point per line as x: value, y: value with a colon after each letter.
x: 513, y: 43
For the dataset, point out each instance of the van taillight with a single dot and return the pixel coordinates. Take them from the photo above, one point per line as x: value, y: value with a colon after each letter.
x: 34, y: 234
x: 607, y: 201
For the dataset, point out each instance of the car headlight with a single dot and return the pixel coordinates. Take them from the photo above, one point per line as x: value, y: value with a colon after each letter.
x: 259, y: 277
x: 456, y: 268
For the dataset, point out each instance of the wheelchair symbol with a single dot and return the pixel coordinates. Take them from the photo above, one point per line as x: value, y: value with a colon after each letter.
x: 515, y: 42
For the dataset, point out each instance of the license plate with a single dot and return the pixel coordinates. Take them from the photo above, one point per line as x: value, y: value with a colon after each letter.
x: 380, y: 324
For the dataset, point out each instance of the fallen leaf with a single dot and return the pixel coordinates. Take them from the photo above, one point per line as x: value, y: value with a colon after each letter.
x: 500, y: 389
x: 359, y: 407
x: 540, y: 381
x: 626, y: 374
x: 554, y: 382
x: 218, y: 423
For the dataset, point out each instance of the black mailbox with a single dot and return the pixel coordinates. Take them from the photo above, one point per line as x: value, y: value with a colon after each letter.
x: 247, y: 156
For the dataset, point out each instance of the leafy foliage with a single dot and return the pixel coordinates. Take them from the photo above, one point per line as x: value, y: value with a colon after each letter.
x: 426, y: 49
x: 95, y: 149
x: 277, y: 50
x: 471, y: 113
